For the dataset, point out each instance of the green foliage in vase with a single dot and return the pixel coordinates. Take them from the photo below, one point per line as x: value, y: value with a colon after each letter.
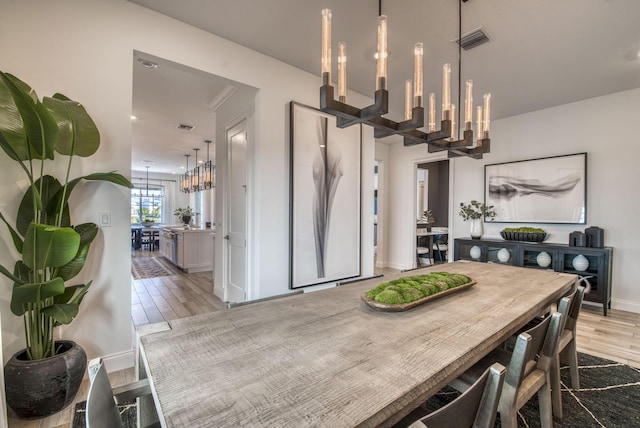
x: 52, y: 250
x: 412, y: 288
x: 475, y: 210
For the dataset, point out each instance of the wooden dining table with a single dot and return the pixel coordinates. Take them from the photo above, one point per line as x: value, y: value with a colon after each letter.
x: 326, y: 359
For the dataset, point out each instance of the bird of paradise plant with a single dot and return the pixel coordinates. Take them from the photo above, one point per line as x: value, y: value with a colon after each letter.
x: 52, y: 250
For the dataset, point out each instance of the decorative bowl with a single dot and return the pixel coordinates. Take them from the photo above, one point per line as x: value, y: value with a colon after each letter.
x: 147, y: 223
x: 523, y: 236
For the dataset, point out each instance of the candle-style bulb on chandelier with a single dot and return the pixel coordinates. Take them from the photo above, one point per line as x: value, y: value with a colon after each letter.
x: 436, y: 140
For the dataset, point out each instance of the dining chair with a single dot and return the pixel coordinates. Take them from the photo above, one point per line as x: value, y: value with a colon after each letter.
x: 567, y: 351
x: 528, y: 370
x: 441, y: 246
x: 102, y: 409
x: 476, y: 407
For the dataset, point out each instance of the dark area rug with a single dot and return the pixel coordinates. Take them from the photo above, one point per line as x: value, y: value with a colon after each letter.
x: 609, y: 396
x: 151, y: 267
x: 128, y: 414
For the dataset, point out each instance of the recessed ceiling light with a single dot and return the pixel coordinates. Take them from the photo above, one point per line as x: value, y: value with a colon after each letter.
x: 133, y: 117
x: 147, y: 63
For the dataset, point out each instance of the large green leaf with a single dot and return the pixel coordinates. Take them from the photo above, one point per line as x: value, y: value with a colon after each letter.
x: 17, y: 240
x: 34, y: 293
x: 88, y: 232
x: 49, y: 246
x: 62, y: 313
x: 78, y: 133
x: 25, y: 123
x: 65, y: 306
x: 48, y: 209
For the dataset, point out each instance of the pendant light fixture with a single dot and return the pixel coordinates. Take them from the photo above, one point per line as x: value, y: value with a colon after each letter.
x: 207, y: 170
x: 436, y: 140
x: 195, y: 175
x: 185, y: 179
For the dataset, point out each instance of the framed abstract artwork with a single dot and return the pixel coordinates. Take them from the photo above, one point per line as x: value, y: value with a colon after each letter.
x: 325, y: 180
x: 545, y: 190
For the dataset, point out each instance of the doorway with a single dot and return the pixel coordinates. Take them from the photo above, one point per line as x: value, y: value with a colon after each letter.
x: 431, y: 212
x: 235, y: 230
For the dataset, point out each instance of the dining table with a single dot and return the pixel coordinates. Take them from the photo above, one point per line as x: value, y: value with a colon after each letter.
x: 327, y: 359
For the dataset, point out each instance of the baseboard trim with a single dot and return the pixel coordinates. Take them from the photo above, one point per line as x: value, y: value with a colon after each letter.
x: 119, y: 361
x: 625, y: 305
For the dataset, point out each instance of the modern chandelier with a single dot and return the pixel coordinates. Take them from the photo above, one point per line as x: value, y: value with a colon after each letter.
x: 436, y: 140
x: 200, y: 177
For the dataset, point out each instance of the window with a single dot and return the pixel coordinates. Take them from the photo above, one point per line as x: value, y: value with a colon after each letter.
x: 146, y: 204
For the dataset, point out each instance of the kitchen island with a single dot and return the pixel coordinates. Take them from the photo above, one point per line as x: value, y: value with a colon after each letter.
x: 192, y: 250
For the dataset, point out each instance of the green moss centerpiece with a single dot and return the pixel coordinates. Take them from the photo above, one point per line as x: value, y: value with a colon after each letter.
x: 405, y: 293
x: 527, y: 234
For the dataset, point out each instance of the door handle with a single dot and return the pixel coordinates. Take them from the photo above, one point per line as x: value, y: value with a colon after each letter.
x: 225, y: 237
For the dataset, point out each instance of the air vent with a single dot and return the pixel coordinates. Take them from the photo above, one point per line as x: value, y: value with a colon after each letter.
x: 473, y: 39
x: 185, y: 127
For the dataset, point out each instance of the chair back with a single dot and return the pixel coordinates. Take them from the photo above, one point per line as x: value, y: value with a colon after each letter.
x: 476, y: 407
x: 538, y: 342
x: 102, y: 411
x: 574, y: 309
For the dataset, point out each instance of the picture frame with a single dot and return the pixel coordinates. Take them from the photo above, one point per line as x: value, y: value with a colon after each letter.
x: 325, y: 206
x: 544, y: 190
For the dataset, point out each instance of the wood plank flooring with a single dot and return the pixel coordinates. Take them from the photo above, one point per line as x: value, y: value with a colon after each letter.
x: 615, y: 337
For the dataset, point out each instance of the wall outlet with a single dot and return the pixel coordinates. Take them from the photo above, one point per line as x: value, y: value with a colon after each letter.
x: 104, y: 219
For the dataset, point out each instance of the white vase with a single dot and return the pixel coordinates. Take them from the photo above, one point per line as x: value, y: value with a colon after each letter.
x: 475, y: 252
x: 504, y: 255
x: 476, y: 228
x: 544, y: 259
x: 580, y: 263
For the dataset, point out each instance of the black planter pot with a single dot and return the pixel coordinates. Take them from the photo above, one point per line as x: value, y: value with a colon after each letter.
x: 40, y: 388
x: 186, y: 219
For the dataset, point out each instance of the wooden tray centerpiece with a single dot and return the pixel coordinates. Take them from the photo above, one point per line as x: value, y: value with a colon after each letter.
x: 405, y: 293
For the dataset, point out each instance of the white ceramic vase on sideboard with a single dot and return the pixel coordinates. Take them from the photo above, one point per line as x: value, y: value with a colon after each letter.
x: 476, y: 228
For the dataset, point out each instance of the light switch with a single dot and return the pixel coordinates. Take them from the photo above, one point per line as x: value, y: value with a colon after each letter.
x: 104, y: 219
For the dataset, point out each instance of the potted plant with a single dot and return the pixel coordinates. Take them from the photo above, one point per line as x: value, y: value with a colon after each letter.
x: 428, y: 219
x: 184, y: 214
x: 43, y: 378
x: 476, y: 212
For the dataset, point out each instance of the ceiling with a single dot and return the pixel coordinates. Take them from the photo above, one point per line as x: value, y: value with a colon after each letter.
x: 541, y: 53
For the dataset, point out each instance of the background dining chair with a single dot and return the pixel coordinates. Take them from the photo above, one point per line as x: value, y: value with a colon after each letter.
x: 102, y: 409
x: 476, y: 407
x: 528, y: 370
x: 441, y: 246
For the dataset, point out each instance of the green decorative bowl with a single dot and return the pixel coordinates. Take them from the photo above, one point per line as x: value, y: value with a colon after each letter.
x: 523, y: 236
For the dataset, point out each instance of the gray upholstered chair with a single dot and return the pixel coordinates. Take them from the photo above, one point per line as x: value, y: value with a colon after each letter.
x: 102, y: 409
x: 476, y: 407
x: 528, y: 370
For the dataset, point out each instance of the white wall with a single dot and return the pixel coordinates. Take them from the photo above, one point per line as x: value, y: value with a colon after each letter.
x: 401, y: 200
x: 603, y: 127
x: 84, y: 50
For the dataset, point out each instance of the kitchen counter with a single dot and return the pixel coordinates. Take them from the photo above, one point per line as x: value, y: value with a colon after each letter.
x: 192, y: 249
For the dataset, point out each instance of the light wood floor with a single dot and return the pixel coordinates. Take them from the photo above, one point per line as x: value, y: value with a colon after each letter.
x: 615, y: 337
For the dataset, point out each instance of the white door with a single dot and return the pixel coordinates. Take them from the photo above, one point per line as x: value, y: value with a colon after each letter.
x: 236, y: 207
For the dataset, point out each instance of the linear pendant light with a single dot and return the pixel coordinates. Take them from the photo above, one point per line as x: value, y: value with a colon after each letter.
x: 436, y: 140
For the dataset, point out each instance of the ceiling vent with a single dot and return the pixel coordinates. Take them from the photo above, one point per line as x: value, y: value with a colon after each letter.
x: 473, y: 39
x: 185, y: 127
